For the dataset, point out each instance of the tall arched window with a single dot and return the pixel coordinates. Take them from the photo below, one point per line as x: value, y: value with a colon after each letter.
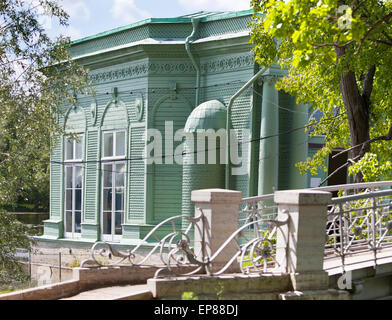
x: 73, y: 172
x: 113, y: 168
x: 113, y: 184
x: 73, y: 186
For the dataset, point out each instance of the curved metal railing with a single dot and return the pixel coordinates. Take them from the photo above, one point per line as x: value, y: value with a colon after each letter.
x: 255, y: 239
x: 165, y: 246
x: 359, y: 225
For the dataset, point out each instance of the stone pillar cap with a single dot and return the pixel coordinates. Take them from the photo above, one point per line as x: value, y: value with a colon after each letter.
x: 303, y: 197
x: 216, y: 196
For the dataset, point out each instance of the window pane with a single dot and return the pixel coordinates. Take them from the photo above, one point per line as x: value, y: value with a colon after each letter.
x: 107, y: 199
x: 78, y: 199
x: 69, y: 150
x: 68, y: 200
x: 120, y: 143
x: 119, y: 199
x: 119, y: 221
x: 107, y: 223
x: 107, y: 175
x: 68, y: 177
x: 108, y: 145
x: 78, y: 177
x: 78, y: 220
x: 68, y: 221
x: 120, y: 175
x: 79, y: 148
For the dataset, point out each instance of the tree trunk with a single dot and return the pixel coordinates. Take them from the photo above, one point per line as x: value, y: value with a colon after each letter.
x: 357, y: 108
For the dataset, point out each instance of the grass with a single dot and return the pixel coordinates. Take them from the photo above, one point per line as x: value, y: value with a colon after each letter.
x: 6, y: 290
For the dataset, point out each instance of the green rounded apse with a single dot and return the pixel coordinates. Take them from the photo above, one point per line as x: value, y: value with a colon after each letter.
x: 205, y: 129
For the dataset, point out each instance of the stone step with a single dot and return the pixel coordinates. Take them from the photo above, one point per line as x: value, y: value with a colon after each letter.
x: 126, y: 292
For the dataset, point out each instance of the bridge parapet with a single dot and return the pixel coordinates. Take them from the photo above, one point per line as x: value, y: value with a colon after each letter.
x: 359, y: 230
x: 302, y: 239
x: 330, y: 235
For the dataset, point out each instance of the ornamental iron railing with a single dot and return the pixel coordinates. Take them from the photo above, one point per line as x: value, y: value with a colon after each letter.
x: 359, y: 227
x: 255, y: 240
x: 259, y: 251
x: 172, y: 249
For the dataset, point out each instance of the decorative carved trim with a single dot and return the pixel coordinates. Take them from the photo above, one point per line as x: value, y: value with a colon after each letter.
x: 94, y: 113
x: 231, y: 63
x: 144, y: 69
x: 139, y: 107
x: 137, y: 70
x: 170, y: 67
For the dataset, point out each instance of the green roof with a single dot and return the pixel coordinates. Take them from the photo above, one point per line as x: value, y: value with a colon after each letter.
x: 208, y: 115
x: 205, y: 16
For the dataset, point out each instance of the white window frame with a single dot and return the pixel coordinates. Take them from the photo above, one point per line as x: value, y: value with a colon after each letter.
x: 73, y: 234
x: 81, y: 140
x: 107, y: 161
x: 74, y: 162
x: 114, y: 132
x: 112, y: 236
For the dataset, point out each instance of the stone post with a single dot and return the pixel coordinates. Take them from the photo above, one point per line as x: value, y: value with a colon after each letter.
x: 220, y: 208
x: 303, y: 238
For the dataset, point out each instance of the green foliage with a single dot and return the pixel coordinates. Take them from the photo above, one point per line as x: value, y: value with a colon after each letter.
x: 8, y: 290
x: 37, y: 78
x: 189, y: 296
x: 14, y: 235
x: 304, y: 37
x: 219, y: 290
x: 371, y: 168
x: 75, y: 262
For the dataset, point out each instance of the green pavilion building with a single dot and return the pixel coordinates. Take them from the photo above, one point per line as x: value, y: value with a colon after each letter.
x: 169, y: 74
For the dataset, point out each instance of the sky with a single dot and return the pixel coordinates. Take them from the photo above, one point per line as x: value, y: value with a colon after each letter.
x: 89, y: 17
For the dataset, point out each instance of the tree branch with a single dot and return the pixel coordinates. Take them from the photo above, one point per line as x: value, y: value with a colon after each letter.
x: 382, y: 42
x: 387, y: 36
x: 349, y: 161
x: 388, y: 137
x: 374, y: 26
x: 358, y: 6
x: 335, y: 45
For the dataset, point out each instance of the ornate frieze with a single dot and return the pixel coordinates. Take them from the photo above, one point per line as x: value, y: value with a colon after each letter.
x: 142, y: 70
x: 231, y: 63
x: 170, y: 67
x: 217, y: 65
x: 134, y: 71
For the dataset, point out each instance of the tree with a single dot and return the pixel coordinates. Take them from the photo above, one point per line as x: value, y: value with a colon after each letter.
x: 338, y: 55
x: 13, y: 237
x: 37, y: 77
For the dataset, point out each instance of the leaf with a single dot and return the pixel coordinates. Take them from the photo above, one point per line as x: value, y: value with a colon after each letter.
x: 309, y: 34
